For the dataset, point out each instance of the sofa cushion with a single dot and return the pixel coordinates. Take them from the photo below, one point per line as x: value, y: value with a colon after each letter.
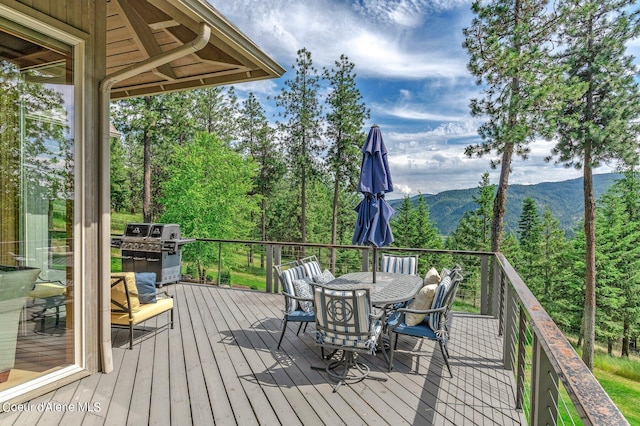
x: 146, y: 285
x: 118, y: 293
x: 423, y: 300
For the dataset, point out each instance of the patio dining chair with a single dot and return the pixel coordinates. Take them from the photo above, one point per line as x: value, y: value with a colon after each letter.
x: 435, y: 323
x: 346, y: 322
x: 399, y: 264
x: 298, y: 299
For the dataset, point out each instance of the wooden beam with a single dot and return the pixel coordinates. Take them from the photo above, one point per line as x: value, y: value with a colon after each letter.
x: 144, y: 37
x: 217, y: 51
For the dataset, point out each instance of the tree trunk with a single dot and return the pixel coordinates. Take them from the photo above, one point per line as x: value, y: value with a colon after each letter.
x: 146, y: 184
x: 589, y: 324
x: 303, y: 202
x: 625, y: 338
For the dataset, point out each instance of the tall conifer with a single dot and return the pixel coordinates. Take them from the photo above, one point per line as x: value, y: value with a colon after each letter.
x: 600, y: 123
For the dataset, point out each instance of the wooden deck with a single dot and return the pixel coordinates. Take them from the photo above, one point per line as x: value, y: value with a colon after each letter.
x: 219, y: 365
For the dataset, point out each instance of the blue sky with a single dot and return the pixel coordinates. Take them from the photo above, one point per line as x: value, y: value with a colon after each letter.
x: 412, y: 73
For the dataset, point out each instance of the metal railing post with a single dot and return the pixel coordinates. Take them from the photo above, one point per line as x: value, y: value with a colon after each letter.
x: 522, y: 352
x: 277, y: 260
x: 501, y: 291
x: 484, y: 285
x: 219, y: 262
x: 495, y: 288
x: 365, y: 260
x: 544, y: 389
x: 509, y: 327
x: 269, y: 268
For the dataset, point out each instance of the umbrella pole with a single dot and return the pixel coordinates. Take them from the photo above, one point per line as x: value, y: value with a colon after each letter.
x: 375, y: 262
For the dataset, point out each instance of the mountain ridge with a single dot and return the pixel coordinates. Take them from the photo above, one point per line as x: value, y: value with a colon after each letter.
x: 564, y: 198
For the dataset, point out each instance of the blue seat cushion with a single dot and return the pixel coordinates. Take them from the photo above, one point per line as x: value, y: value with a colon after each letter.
x: 300, y: 316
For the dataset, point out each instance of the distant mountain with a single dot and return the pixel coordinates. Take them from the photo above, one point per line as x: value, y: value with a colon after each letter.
x: 565, y: 199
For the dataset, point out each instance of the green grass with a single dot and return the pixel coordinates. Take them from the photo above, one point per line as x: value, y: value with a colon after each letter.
x: 625, y: 393
x: 622, y: 367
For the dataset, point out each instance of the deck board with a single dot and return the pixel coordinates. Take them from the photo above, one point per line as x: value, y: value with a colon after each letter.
x: 220, y: 365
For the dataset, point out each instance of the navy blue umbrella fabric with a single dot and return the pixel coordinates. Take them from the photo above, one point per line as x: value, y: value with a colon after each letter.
x: 374, y: 213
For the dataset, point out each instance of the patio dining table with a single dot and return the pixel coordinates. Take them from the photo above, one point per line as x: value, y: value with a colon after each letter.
x: 388, y: 289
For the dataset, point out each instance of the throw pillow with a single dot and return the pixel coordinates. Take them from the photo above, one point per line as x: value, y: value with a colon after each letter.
x: 432, y: 277
x: 423, y: 300
x: 303, y: 289
x: 146, y: 284
x: 324, y: 277
x: 119, y: 294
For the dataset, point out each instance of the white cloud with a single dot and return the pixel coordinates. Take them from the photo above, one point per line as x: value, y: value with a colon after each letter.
x: 379, y: 47
x: 409, y: 54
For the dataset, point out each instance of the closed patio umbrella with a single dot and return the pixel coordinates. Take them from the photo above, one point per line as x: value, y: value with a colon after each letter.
x: 374, y: 213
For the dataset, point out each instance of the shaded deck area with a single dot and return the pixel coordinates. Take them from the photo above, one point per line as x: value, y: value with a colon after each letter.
x: 220, y: 365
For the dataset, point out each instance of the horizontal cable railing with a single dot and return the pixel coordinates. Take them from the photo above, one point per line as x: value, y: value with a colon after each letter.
x: 553, y: 385
x: 533, y: 343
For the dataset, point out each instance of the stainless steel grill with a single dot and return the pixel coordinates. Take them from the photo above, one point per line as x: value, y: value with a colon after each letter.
x: 152, y: 247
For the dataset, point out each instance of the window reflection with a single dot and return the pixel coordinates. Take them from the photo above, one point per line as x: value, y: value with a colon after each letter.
x: 36, y: 209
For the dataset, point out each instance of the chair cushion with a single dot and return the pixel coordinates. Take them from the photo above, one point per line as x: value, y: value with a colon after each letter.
x: 337, y: 324
x: 146, y: 285
x: 423, y: 300
x: 145, y: 312
x: 119, y: 295
x: 438, y: 300
x: 46, y: 290
x: 399, y: 264
x: 302, y: 289
x: 312, y: 268
x: 324, y: 277
x: 432, y: 277
x: 287, y: 277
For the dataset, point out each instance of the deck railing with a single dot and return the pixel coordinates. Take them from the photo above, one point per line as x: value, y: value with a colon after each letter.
x: 553, y: 385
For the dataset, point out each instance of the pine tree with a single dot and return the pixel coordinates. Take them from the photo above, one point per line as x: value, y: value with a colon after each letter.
x: 618, y: 255
x: 403, y: 224
x: 426, y: 235
x: 509, y: 47
x: 301, y: 133
x: 256, y: 141
x: 552, y: 260
x: 345, y: 119
x: 473, y: 233
x: 599, y: 122
x: 529, y: 231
